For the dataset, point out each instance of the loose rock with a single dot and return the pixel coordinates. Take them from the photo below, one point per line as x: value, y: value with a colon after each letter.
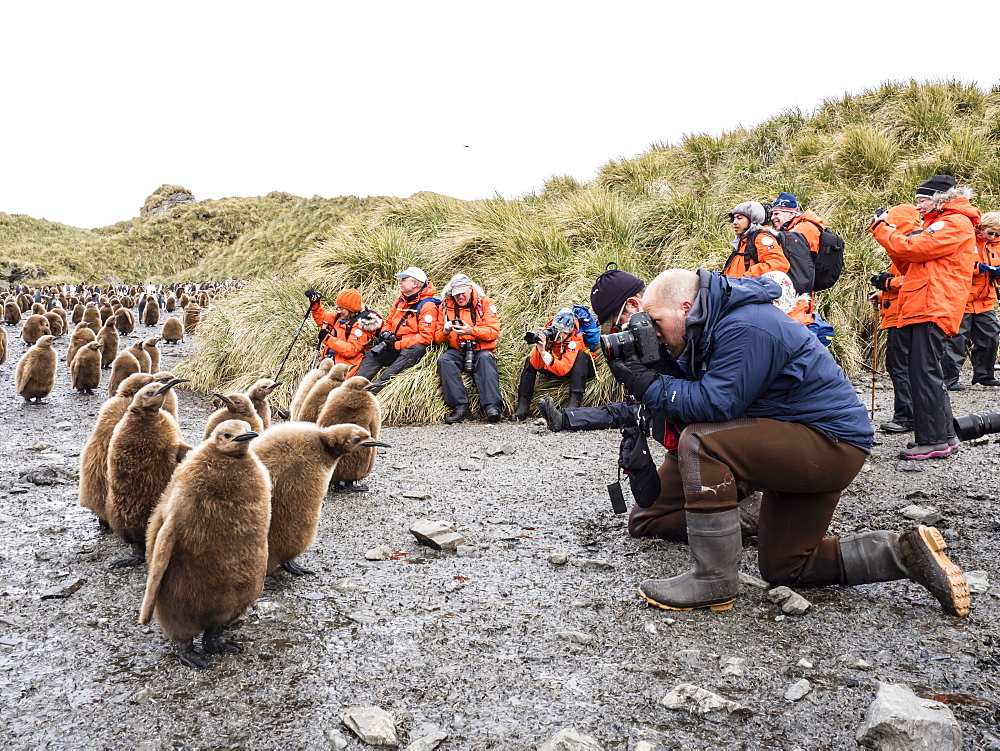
x: 571, y: 739
x: 372, y: 725
x: 899, y: 719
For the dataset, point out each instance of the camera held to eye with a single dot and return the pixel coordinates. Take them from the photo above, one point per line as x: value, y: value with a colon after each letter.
x: 637, y: 340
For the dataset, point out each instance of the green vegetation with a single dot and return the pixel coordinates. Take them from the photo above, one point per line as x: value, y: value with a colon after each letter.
x: 665, y: 207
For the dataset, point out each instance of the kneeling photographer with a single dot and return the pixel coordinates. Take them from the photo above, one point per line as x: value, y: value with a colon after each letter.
x: 765, y: 405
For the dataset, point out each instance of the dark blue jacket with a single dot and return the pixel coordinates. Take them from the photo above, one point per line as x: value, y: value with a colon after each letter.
x: 744, y: 357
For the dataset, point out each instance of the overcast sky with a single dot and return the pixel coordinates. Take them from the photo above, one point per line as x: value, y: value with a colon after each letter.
x: 106, y: 101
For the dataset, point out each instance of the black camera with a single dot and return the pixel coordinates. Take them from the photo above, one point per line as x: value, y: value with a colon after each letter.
x: 468, y: 347
x: 968, y: 427
x: 637, y: 340
x: 549, y: 333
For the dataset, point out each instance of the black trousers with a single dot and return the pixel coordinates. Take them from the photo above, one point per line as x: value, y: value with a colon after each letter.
x: 484, y: 373
x: 614, y: 415
x: 579, y: 374
x: 931, y: 406
x: 982, y: 331
x: 897, y: 357
x: 405, y: 358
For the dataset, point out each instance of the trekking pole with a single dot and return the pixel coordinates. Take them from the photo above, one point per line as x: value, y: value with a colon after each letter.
x: 294, y: 339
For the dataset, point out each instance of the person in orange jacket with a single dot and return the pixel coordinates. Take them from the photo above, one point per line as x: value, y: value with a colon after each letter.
x: 979, y: 324
x: 345, y: 332
x: 766, y: 254
x: 468, y: 324
x: 906, y: 219
x: 932, y: 301
x: 560, y: 352
x: 407, y: 331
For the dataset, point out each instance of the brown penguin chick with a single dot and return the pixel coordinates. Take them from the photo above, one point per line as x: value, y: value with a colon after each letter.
x: 55, y: 323
x: 3, y: 346
x: 36, y: 371
x: 124, y: 321
x: 92, y: 317
x: 150, y: 348
x: 313, y: 402
x: 146, y: 446
x: 207, y: 544
x: 142, y: 355
x: 351, y: 402
x: 34, y: 328
x: 81, y: 336
x: 109, y: 337
x: 300, y: 457
x: 192, y: 316
x: 173, y: 331
x: 171, y: 303
x: 151, y: 312
x: 85, y: 370
x: 11, y: 313
x: 258, y: 394
x: 123, y: 366
x: 307, y: 382
x: 234, y: 407
x: 94, y: 457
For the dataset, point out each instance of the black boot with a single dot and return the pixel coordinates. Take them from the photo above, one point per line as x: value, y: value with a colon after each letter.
x: 458, y: 414
x: 575, y: 399
x: 714, y: 581
x: 915, y: 554
x: 554, y: 416
x: 523, y: 407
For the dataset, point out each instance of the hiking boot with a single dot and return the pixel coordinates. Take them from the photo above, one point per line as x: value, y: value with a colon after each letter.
x: 575, y: 399
x: 555, y: 418
x: 521, y: 410
x: 956, y: 387
x: 927, y: 451
x: 894, y: 427
x: 713, y: 582
x: 492, y: 414
x: 987, y: 382
x: 459, y: 413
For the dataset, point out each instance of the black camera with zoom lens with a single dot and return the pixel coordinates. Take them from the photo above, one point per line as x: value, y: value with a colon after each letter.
x: 637, y: 340
x: 975, y: 425
x: 468, y: 347
x: 549, y: 333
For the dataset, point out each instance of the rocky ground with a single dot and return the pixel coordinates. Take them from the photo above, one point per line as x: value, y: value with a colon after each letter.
x: 498, y: 645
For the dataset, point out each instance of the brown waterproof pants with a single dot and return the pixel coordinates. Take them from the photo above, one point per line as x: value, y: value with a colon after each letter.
x: 801, y: 470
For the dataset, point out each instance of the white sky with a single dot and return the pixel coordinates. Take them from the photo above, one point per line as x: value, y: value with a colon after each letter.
x: 106, y: 101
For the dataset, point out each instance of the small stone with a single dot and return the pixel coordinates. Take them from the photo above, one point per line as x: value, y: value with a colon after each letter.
x: 558, y: 559
x: 922, y: 514
x: 792, y: 603
x: 978, y: 581
x: 63, y: 590
x: 418, y: 495
x: 797, y: 690
x: 699, y: 701
x: 590, y: 564
x: 470, y: 465
x: 577, y: 637
x: 898, y: 718
x: 804, y: 663
x: 374, y: 726
x: 571, y: 739
x: 428, y: 742
x: 380, y: 553
x: 753, y: 581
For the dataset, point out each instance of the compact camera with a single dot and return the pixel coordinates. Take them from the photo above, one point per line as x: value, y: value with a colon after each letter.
x: 637, y: 340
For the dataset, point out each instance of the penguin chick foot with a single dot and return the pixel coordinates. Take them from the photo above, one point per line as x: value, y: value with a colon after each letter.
x: 295, y: 569
x: 215, y: 643
x: 135, y: 558
x: 189, y: 658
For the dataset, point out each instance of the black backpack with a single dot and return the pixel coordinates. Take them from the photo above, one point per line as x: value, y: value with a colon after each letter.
x: 795, y: 246
x: 829, y: 260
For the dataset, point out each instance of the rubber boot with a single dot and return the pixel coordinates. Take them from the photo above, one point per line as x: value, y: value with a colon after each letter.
x: 575, y: 400
x: 714, y: 582
x: 523, y: 407
x: 916, y: 554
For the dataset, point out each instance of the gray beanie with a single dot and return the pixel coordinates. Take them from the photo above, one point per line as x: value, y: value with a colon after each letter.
x: 751, y: 210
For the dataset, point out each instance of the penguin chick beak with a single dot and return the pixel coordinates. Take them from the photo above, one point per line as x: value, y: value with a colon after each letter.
x: 170, y: 385
x: 224, y: 399
x: 248, y: 436
x: 375, y: 443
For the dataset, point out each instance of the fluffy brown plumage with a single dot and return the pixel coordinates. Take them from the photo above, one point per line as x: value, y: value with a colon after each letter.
x: 234, y: 407
x: 207, y: 543
x: 35, y: 375
x: 313, y: 402
x: 351, y: 402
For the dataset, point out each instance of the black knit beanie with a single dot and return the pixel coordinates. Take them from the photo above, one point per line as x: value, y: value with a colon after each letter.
x: 937, y: 184
x: 611, y: 290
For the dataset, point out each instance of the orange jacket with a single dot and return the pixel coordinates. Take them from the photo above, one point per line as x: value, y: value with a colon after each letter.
x: 938, y: 274
x: 564, y: 353
x: 770, y: 257
x: 809, y: 224
x: 410, y: 326
x: 906, y: 219
x: 983, y: 295
x: 480, y: 313
x: 345, y: 341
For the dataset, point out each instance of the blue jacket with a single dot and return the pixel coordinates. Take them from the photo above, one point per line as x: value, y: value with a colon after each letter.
x: 744, y: 357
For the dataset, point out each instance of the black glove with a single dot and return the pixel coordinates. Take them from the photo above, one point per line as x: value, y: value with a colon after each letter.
x: 881, y: 281
x: 313, y: 296
x: 633, y: 375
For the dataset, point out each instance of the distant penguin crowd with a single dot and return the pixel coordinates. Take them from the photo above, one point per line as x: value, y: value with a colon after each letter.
x: 211, y: 520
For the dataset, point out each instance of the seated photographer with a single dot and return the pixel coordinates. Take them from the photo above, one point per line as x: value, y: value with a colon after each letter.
x: 560, y: 353
x: 468, y: 324
x: 344, y: 333
x: 765, y: 404
x: 407, y: 331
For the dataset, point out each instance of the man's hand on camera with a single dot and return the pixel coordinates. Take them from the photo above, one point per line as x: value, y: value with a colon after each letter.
x: 633, y: 375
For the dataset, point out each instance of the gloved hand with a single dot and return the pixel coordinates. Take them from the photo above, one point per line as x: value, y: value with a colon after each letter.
x: 633, y: 375
x: 881, y: 281
x: 313, y: 296
x: 880, y: 216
